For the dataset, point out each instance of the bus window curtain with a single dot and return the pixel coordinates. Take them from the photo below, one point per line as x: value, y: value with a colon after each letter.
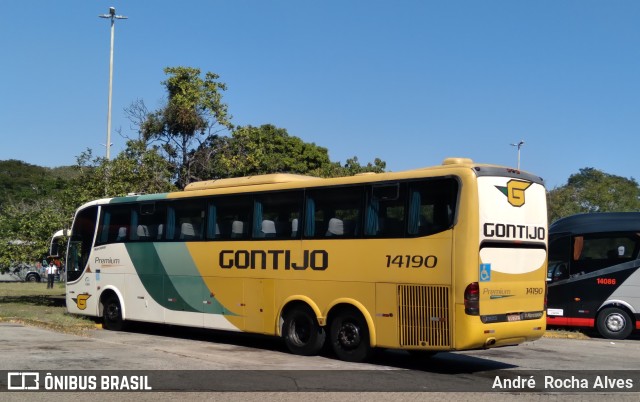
x: 104, y: 236
x: 211, y: 222
x: 257, y: 219
x: 309, y: 218
x: 134, y: 225
x: 414, y: 212
x: 373, y: 217
x: 171, y: 223
x: 578, y: 244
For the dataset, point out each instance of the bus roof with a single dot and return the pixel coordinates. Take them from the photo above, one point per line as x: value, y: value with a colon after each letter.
x: 279, y: 178
x: 291, y: 181
x: 273, y: 178
x: 597, y: 223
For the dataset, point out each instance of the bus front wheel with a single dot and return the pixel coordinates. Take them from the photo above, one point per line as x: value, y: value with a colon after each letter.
x: 614, y: 323
x: 112, y: 314
x: 350, y: 336
x: 301, y: 331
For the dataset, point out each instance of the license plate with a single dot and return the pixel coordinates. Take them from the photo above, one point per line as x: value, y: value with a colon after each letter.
x: 513, y: 317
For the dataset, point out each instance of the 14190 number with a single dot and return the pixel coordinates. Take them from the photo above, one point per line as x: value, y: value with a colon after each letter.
x: 412, y: 261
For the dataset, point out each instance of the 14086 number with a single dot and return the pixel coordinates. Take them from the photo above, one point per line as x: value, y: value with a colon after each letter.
x: 412, y: 261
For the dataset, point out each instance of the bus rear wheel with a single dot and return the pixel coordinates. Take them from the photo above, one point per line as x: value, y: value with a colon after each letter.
x: 350, y: 336
x: 112, y: 314
x: 614, y: 323
x: 301, y: 331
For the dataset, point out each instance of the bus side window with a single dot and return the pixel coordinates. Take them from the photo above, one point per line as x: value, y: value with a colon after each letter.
x: 114, y: 224
x: 600, y: 250
x: 233, y: 217
x: 185, y: 220
x: 147, y: 222
x: 274, y: 215
x: 432, y: 206
x: 384, y: 214
x: 334, y: 212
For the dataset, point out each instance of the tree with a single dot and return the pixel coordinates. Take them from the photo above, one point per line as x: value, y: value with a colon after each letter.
x: 592, y: 190
x: 269, y: 149
x: 26, y: 229
x: 258, y: 150
x: 137, y: 169
x: 27, y: 222
x: 194, y: 111
x: 31, y: 209
x: 351, y: 167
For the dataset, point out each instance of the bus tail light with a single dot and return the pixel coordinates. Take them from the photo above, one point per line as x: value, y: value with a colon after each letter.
x: 472, y: 299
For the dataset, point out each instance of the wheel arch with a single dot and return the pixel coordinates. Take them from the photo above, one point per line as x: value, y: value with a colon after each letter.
x: 608, y: 324
x: 108, y: 292
x: 621, y: 304
x: 298, y: 300
x: 345, y: 303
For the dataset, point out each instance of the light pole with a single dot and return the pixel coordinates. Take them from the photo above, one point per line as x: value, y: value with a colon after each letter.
x: 113, y: 17
x: 519, y: 145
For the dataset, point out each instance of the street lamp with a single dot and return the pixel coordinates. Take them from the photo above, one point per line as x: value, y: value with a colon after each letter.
x: 113, y: 17
x: 519, y: 145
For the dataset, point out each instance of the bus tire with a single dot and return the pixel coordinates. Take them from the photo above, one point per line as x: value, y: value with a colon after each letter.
x: 112, y: 314
x: 614, y: 323
x: 301, y: 331
x: 350, y: 336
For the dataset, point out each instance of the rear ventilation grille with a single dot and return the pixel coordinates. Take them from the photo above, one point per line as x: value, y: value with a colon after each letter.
x: 423, y: 313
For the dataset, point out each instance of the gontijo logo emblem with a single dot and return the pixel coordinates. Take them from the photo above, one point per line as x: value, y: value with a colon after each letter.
x: 515, y: 191
x: 81, y: 300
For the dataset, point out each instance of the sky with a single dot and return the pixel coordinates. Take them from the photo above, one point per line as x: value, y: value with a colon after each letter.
x: 411, y: 82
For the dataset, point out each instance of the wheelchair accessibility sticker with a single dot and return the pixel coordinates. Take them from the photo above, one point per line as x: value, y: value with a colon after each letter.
x: 485, y: 272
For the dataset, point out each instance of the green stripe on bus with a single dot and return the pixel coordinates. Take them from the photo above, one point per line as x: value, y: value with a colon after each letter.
x: 152, y: 197
x: 120, y: 200
x: 183, y: 273
x: 153, y: 275
x: 138, y: 198
x: 172, y: 279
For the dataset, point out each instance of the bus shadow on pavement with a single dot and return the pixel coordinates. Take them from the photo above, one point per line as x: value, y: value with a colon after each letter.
x: 441, y: 363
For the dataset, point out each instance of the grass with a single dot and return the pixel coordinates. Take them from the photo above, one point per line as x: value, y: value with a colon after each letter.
x: 559, y: 333
x: 33, y: 304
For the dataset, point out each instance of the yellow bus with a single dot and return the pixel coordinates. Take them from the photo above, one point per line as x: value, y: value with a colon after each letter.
x: 451, y: 257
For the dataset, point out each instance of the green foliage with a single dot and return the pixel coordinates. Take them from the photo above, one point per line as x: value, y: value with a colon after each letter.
x: 135, y: 170
x: 258, y: 150
x: 22, y: 181
x: 268, y: 149
x: 194, y: 108
x: 592, y: 190
x: 350, y: 168
x: 26, y: 225
x: 26, y: 229
x: 31, y: 210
